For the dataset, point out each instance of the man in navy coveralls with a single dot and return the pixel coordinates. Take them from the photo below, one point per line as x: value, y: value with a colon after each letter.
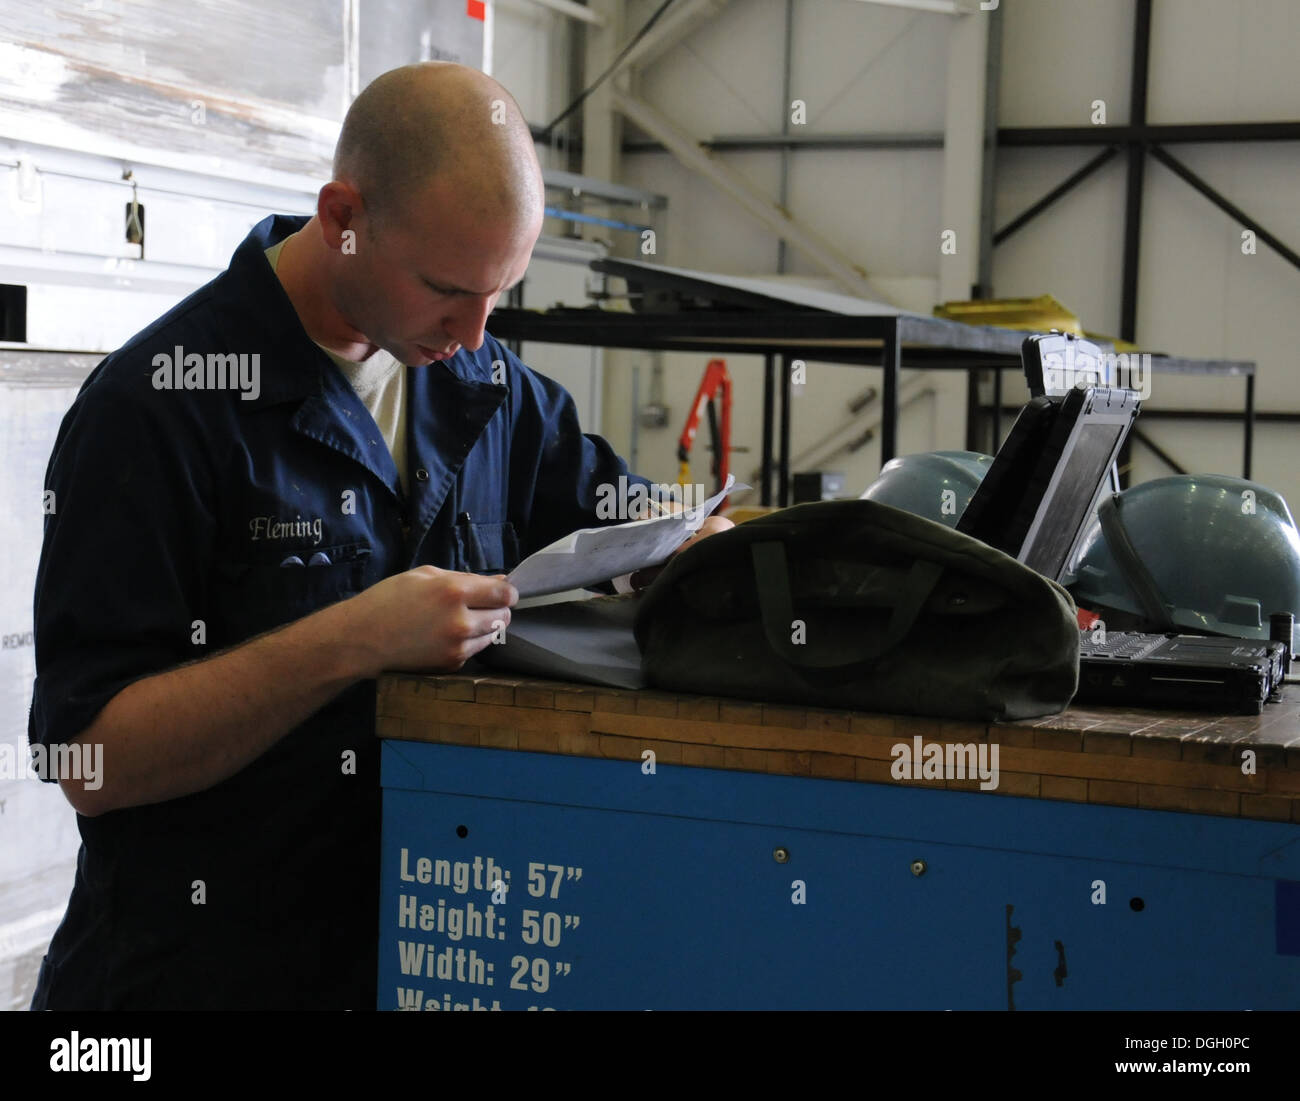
x: 315, y: 468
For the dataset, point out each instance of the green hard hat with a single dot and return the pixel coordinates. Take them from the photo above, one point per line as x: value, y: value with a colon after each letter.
x: 935, y: 484
x: 1203, y: 552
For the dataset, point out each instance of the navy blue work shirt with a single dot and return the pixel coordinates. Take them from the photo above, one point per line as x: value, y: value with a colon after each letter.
x: 173, y: 506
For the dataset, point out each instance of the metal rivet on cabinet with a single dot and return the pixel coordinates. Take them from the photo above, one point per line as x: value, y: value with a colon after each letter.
x: 781, y: 855
x: 918, y: 867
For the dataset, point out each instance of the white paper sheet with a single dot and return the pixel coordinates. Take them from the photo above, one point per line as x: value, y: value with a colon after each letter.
x: 593, y: 555
x: 586, y: 640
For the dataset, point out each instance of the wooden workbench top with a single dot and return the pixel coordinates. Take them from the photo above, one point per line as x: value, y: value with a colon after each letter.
x: 1158, y: 760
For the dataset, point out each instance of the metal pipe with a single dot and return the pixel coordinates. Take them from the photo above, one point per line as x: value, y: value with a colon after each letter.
x: 591, y: 219
x: 676, y: 24
x: 909, y: 392
x: 351, y: 52
x: 859, y: 441
x: 940, y: 7
x: 489, y: 34
x: 856, y: 405
x: 564, y: 7
x: 575, y: 182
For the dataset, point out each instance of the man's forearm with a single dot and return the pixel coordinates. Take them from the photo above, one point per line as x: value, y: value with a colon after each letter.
x: 185, y: 730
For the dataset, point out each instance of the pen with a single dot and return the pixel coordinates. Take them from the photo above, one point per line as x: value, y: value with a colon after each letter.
x: 472, y: 553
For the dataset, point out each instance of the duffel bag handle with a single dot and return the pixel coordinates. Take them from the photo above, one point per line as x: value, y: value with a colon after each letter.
x: 777, y: 609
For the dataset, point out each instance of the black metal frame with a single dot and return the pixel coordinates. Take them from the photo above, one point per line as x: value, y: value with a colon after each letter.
x: 1138, y: 139
x: 783, y: 334
x: 709, y: 332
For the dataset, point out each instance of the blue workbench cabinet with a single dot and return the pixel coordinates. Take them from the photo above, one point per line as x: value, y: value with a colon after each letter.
x: 520, y: 880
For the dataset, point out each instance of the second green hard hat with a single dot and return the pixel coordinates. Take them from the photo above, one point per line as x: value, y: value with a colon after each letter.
x: 1215, y: 554
x: 935, y: 484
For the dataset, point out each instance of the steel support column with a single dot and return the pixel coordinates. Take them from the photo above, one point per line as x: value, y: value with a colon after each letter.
x: 988, y: 184
x: 1128, y: 306
x: 890, y: 362
x: 1136, y: 164
x: 784, y: 498
x: 769, y: 415
x: 973, y: 440
x: 1248, y: 458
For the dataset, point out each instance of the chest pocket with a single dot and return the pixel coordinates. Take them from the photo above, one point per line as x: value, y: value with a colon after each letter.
x: 487, y: 548
x: 252, y: 597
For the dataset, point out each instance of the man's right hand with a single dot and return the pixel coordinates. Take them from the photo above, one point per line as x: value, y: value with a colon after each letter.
x: 184, y: 730
x: 427, y: 618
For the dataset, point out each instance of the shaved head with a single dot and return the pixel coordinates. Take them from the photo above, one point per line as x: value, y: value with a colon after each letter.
x: 437, y: 121
x: 436, y: 203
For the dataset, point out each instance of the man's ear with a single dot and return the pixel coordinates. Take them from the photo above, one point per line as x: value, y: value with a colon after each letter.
x: 340, y: 211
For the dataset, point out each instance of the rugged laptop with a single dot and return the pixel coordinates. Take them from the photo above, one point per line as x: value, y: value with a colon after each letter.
x: 1034, y: 504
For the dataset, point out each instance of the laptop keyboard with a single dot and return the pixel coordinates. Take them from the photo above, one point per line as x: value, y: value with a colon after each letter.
x: 1121, y: 645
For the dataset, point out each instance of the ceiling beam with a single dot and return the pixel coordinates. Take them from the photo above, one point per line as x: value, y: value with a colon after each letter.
x: 565, y: 7
x: 848, y: 276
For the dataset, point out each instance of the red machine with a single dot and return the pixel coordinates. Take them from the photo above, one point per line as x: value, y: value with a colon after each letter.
x: 715, y: 379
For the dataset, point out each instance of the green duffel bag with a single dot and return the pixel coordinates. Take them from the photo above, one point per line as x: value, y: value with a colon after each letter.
x: 857, y: 604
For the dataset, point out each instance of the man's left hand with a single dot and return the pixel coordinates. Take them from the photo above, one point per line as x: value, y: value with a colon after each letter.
x: 711, y: 526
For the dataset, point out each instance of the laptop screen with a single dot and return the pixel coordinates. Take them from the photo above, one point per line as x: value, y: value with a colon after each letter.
x: 1049, y: 547
x: 1040, y: 491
